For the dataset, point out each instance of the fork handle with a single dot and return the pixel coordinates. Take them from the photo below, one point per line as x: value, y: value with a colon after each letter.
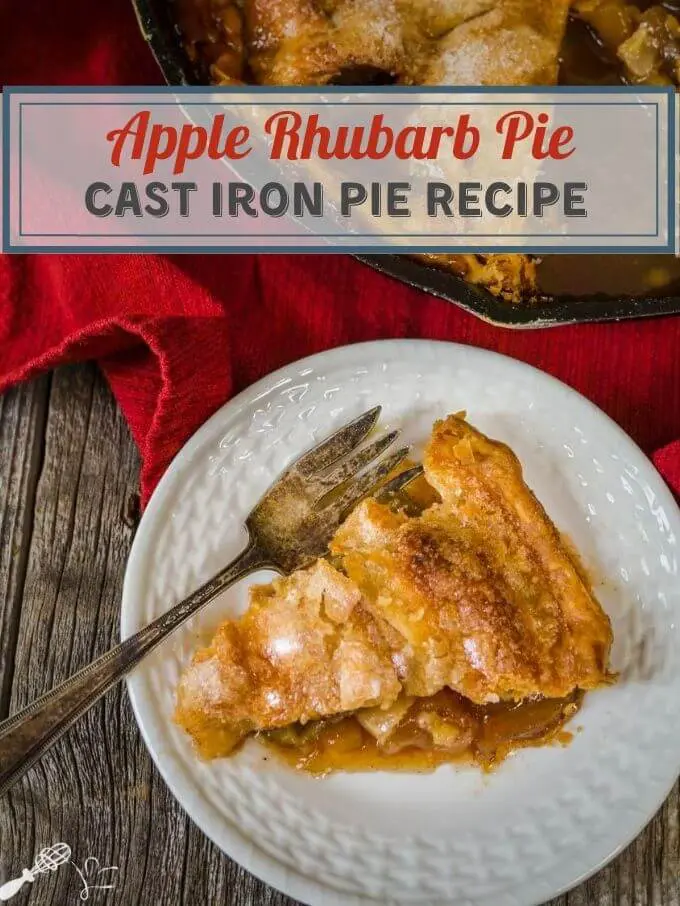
x: 28, y: 734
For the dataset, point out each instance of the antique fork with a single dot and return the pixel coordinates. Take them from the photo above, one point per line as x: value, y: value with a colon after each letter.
x: 289, y: 528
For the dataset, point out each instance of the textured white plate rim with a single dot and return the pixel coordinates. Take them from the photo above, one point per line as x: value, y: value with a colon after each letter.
x: 190, y: 795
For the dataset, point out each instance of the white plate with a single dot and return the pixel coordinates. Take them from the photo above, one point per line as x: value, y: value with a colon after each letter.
x: 548, y: 817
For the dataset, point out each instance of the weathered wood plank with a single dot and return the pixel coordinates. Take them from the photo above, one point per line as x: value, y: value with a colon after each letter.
x: 98, y: 791
x: 22, y: 427
x: 73, y: 575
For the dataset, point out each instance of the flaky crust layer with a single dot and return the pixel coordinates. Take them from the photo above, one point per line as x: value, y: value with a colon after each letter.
x: 481, y: 587
x: 478, y: 594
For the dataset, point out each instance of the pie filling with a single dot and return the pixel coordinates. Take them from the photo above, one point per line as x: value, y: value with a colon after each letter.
x: 456, y: 42
x: 420, y: 734
x: 457, y: 625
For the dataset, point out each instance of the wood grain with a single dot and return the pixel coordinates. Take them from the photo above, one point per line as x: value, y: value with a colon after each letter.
x: 68, y: 472
x: 22, y: 423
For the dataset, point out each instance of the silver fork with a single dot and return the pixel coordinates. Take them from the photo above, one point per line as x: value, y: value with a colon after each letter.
x: 289, y: 528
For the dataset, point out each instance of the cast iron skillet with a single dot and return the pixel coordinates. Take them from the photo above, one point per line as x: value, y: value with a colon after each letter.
x: 161, y: 33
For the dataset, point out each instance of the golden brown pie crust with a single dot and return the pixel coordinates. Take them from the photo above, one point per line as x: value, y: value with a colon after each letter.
x: 476, y: 603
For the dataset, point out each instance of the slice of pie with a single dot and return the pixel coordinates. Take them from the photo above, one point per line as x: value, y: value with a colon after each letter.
x: 469, y: 628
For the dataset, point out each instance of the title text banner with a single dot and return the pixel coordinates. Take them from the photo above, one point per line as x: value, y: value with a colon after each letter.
x: 370, y: 170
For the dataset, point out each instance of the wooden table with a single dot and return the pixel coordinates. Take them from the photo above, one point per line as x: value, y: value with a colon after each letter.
x: 68, y: 483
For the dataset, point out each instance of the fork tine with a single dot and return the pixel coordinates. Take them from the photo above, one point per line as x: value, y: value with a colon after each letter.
x: 356, y: 462
x: 339, y: 444
x: 396, y: 484
x: 365, y: 483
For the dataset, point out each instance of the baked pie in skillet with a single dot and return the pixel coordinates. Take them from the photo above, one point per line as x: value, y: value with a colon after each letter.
x: 451, y: 42
x: 459, y: 627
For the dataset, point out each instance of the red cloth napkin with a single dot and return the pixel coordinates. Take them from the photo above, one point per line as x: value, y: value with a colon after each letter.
x: 176, y: 336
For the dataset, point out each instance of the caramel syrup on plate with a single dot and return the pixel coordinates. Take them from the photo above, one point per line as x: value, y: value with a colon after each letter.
x: 487, y: 734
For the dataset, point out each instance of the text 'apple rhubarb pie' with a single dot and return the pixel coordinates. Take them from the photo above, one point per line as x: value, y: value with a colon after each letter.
x: 461, y: 632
